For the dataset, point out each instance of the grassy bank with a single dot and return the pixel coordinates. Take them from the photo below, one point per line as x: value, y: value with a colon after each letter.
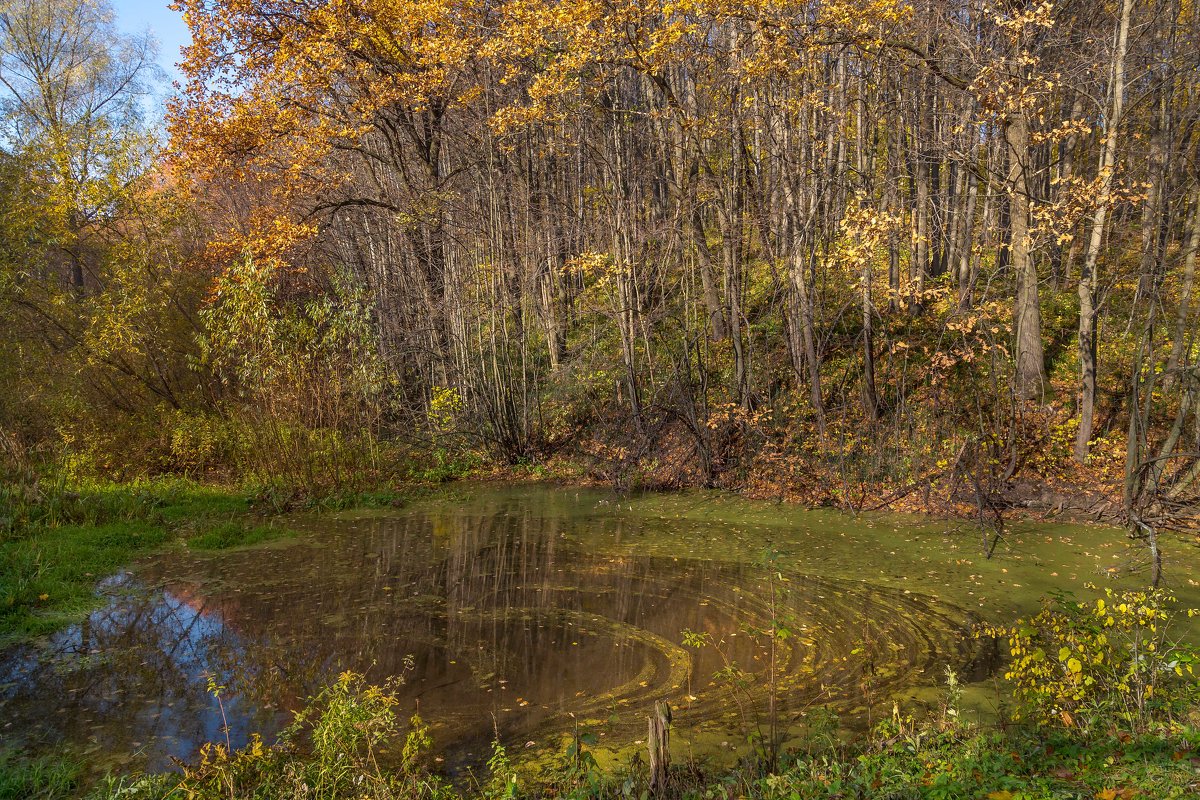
x: 57, y: 541
x: 59, y: 538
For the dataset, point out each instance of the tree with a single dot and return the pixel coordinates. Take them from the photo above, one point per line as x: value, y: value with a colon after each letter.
x: 1087, y: 276
x: 95, y: 317
x: 685, y: 216
x: 71, y: 117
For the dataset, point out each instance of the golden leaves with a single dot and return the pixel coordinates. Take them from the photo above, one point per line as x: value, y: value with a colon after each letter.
x: 1125, y: 793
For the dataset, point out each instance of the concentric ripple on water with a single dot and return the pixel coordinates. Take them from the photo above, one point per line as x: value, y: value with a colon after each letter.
x: 497, y: 618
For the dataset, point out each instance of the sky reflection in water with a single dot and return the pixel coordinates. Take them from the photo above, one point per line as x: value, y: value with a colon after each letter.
x: 519, y: 605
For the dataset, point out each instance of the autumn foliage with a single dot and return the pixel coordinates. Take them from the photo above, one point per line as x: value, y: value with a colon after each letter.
x: 859, y: 252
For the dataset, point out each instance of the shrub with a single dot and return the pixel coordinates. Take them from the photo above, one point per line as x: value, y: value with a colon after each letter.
x: 1083, y: 665
x: 330, y: 751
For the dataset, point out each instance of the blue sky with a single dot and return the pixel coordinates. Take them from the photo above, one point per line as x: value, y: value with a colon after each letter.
x: 136, y: 16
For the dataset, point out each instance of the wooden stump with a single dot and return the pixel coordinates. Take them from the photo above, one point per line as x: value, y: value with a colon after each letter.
x: 658, y: 741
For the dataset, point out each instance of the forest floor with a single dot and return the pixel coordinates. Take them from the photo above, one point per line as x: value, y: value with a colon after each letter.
x: 1082, y: 498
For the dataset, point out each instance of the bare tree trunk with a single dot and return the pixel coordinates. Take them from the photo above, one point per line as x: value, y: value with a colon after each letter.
x: 1184, y: 312
x: 1087, y: 275
x: 966, y: 282
x: 1031, y: 374
x: 800, y: 286
x: 708, y: 283
x: 870, y: 393
x: 658, y: 743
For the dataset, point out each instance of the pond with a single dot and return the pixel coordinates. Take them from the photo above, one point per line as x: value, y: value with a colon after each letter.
x: 529, y: 611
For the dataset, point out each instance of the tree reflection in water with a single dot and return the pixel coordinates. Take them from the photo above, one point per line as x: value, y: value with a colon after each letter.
x: 501, y: 609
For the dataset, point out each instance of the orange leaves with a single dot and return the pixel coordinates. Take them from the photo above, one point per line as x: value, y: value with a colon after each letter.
x: 277, y: 88
x: 1033, y: 17
x: 279, y: 91
x: 558, y: 50
x: 259, y: 70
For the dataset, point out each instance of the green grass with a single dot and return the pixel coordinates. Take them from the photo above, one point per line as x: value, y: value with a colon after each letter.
x: 47, y: 579
x: 895, y: 762
x: 226, y: 535
x: 51, y: 503
x: 1023, y: 763
x: 43, y: 778
x: 57, y: 541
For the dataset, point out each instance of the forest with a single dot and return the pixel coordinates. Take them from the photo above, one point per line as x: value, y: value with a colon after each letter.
x: 931, y: 256
x: 840, y: 249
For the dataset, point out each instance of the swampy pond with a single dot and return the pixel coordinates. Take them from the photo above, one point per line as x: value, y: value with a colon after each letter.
x: 530, y: 610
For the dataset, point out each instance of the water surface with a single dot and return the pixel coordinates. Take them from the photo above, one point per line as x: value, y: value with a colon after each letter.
x: 530, y: 610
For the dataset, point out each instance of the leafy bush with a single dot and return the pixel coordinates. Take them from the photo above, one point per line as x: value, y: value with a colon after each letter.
x: 1084, y: 665
x: 330, y: 751
x: 445, y: 466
